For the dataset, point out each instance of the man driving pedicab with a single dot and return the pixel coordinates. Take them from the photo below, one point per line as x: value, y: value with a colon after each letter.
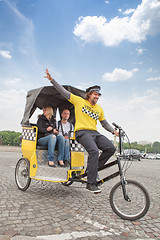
x: 87, y: 112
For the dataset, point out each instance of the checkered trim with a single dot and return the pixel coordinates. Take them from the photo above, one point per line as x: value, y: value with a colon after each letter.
x: 75, y: 146
x: 28, y: 134
x: 90, y: 113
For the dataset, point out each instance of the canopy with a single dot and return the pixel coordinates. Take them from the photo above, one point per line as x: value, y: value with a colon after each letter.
x: 48, y: 96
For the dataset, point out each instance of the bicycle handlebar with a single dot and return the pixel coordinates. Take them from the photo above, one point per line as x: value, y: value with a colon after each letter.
x: 116, y: 125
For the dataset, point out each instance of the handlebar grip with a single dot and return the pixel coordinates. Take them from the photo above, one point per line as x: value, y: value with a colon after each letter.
x: 115, y: 125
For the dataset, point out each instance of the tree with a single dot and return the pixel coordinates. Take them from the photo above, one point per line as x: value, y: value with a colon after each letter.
x: 10, y: 138
x: 156, y: 147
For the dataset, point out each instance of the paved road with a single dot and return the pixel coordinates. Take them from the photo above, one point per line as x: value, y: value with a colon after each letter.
x: 52, y: 211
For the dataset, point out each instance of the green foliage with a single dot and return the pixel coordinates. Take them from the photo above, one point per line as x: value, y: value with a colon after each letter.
x: 9, y: 138
x: 148, y: 148
x: 156, y: 147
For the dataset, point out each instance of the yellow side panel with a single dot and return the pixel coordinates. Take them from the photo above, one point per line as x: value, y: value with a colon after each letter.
x: 33, y: 165
x: 77, y: 159
x: 29, y: 152
x: 28, y: 148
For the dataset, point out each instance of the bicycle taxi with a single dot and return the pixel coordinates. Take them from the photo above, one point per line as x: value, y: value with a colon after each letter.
x: 128, y: 198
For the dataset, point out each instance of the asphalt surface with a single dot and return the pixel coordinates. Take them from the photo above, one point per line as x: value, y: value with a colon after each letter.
x: 52, y: 211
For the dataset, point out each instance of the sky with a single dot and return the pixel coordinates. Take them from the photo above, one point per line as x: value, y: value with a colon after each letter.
x: 114, y: 44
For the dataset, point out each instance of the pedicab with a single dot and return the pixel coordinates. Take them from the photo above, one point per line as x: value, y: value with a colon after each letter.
x: 128, y: 198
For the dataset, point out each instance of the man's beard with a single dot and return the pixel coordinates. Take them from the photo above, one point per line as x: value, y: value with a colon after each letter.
x: 94, y: 101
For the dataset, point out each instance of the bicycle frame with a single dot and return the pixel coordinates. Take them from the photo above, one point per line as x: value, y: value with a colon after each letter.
x: 108, y: 165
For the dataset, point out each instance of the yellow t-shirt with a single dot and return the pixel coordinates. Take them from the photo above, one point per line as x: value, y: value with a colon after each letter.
x: 86, y: 115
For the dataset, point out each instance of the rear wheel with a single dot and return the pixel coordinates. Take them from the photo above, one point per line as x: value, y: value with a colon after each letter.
x: 137, y: 204
x: 22, y: 176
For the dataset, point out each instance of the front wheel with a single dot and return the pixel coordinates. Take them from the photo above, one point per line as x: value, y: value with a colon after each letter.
x: 22, y: 176
x: 137, y: 204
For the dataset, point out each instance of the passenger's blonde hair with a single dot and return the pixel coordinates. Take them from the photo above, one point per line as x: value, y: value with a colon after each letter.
x: 50, y: 111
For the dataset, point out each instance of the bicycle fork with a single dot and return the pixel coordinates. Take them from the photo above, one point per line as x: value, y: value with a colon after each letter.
x: 123, y: 181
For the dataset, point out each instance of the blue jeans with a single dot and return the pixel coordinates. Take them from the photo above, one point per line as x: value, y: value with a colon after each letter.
x: 66, y: 150
x: 49, y: 141
x: 60, y: 144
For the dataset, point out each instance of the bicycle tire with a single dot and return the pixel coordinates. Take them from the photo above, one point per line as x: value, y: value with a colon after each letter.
x: 68, y: 183
x: 22, y: 177
x: 139, y: 202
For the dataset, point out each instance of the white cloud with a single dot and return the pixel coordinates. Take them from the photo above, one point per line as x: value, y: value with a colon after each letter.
x: 119, y: 74
x: 153, y: 79
x: 5, y: 54
x: 138, y: 63
x: 153, y: 92
x: 11, y: 98
x: 84, y: 85
x: 138, y: 114
x: 140, y: 51
x: 11, y: 82
x: 26, y: 39
x: 143, y: 22
x: 129, y: 11
x: 107, y: 1
x: 12, y: 104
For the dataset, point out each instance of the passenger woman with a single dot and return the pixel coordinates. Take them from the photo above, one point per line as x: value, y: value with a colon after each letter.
x: 47, y: 136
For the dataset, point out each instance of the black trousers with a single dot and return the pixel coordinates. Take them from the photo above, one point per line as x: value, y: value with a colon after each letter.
x: 92, y: 141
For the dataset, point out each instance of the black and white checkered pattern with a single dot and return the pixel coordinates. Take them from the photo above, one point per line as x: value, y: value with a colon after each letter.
x: 29, y: 134
x: 90, y: 113
x: 75, y: 146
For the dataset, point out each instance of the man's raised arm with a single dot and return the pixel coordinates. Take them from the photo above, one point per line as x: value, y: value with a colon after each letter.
x: 108, y: 127
x: 59, y: 87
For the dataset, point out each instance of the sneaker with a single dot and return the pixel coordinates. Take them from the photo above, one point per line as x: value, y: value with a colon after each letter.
x: 93, y: 187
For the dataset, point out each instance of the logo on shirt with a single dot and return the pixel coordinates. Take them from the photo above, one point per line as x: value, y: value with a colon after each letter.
x: 92, y: 113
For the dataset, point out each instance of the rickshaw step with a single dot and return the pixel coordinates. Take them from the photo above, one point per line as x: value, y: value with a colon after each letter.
x: 45, y: 172
x: 52, y: 179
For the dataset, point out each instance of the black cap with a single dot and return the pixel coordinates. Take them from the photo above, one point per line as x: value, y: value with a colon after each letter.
x: 94, y: 89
